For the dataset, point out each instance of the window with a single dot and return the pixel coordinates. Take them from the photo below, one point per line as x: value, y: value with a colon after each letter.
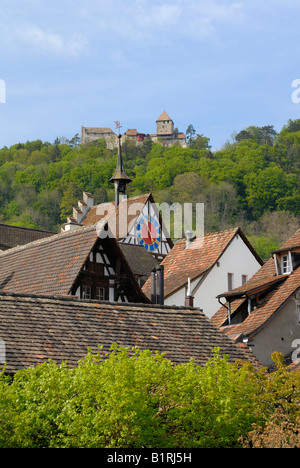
x: 230, y: 281
x: 285, y: 264
x: 244, y: 279
x: 86, y: 292
x: 100, y: 294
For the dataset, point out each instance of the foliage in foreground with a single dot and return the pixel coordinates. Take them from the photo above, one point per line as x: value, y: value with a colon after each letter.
x: 132, y: 399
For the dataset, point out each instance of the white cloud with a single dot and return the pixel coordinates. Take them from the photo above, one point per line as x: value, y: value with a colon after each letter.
x: 150, y: 20
x: 44, y: 41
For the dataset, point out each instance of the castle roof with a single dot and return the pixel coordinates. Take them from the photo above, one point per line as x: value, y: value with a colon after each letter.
x: 164, y: 116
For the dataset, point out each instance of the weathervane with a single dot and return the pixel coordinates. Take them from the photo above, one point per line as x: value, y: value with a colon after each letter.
x: 118, y: 125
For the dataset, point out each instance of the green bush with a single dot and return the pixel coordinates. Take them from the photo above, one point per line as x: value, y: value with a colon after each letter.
x: 128, y: 399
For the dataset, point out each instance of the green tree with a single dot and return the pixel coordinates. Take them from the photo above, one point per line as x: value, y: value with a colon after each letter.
x: 190, y: 133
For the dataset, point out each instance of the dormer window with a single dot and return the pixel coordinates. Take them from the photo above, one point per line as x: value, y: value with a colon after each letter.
x: 286, y: 261
x: 286, y: 267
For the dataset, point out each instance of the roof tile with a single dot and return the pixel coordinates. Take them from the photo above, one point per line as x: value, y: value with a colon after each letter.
x: 36, y: 328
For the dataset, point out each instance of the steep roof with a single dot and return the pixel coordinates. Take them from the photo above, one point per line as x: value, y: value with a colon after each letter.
x: 106, y: 210
x: 140, y: 260
x: 164, y: 116
x: 181, y: 263
x: 46, y: 266
x: 277, y: 291
x: 52, y: 265
x: 12, y: 236
x: 37, y: 328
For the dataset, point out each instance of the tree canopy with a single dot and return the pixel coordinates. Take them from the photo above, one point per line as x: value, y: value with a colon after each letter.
x: 128, y: 398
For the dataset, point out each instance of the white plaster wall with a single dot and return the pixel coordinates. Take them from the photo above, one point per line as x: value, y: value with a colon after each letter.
x: 280, y: 334
x: 236, y: 259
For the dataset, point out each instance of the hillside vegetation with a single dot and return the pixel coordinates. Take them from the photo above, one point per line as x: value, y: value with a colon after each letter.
x: 253, y: 181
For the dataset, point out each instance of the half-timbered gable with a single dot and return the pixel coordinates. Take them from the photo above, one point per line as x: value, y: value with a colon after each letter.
x: 106, y: 275
x: 78, y: 262
x: 136, y: 221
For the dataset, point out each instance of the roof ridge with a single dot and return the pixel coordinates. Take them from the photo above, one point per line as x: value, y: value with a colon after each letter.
x: 69, y: 298
x: 49, y: 239
x: 25, y: 229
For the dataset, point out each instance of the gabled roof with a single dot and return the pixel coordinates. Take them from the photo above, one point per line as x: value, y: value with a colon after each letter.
x: 46, y: 266
x: 253, y: 287
x: 105, y: 210
x: 276, y: 289
x: 164, y: 116
x: 37, y: 328
x: 140, y: 260
x: 265, y: 310
x: 12, y: 236
x: 293, y: 242
x: 52, y: 265
x: 181, y: 263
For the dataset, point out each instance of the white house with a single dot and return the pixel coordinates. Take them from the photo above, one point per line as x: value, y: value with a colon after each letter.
x: 205, y: 267
x: 265, y: 312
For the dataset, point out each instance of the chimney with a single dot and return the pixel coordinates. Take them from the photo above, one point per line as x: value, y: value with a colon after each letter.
x: 88, y: 199
x: 160, y: 285
x: 157, y: 285
x: 189, y: 238
x: 189, y: 300
x: 153, y: 286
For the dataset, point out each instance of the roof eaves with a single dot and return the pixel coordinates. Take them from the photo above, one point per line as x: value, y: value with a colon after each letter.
x: 265, y: 323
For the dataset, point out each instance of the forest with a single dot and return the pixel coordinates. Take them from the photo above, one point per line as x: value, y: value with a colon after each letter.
x: 253, y: 181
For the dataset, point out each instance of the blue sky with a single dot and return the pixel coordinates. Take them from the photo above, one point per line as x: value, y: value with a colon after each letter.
x: 220, y: 65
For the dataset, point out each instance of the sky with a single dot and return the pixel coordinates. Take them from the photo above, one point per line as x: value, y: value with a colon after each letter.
x: 220, y: 65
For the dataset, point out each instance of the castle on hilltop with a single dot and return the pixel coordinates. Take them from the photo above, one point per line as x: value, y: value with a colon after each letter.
x: 166, y: 134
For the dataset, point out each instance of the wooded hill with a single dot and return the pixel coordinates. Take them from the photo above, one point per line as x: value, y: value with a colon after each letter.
x: 253, y: 181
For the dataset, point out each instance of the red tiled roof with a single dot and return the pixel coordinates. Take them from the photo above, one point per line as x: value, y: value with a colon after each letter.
x: 52, y: 265
x: 181, y: 263
x: 46, y: 266
x: 281, y: 289
x: 38, y: 328
x: 164, y: 116
x: 131, y: 132
x: 253, y: 286
x: 294, y: 241
x: 264, y: 311
x: 105, y: 210
x: 12, y: 236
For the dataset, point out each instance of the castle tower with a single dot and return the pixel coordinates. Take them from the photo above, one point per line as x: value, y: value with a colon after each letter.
x: 120, y: 178
x: 164, y: 125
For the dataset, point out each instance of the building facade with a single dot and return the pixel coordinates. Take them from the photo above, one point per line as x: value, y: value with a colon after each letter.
x: 166, y: 134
